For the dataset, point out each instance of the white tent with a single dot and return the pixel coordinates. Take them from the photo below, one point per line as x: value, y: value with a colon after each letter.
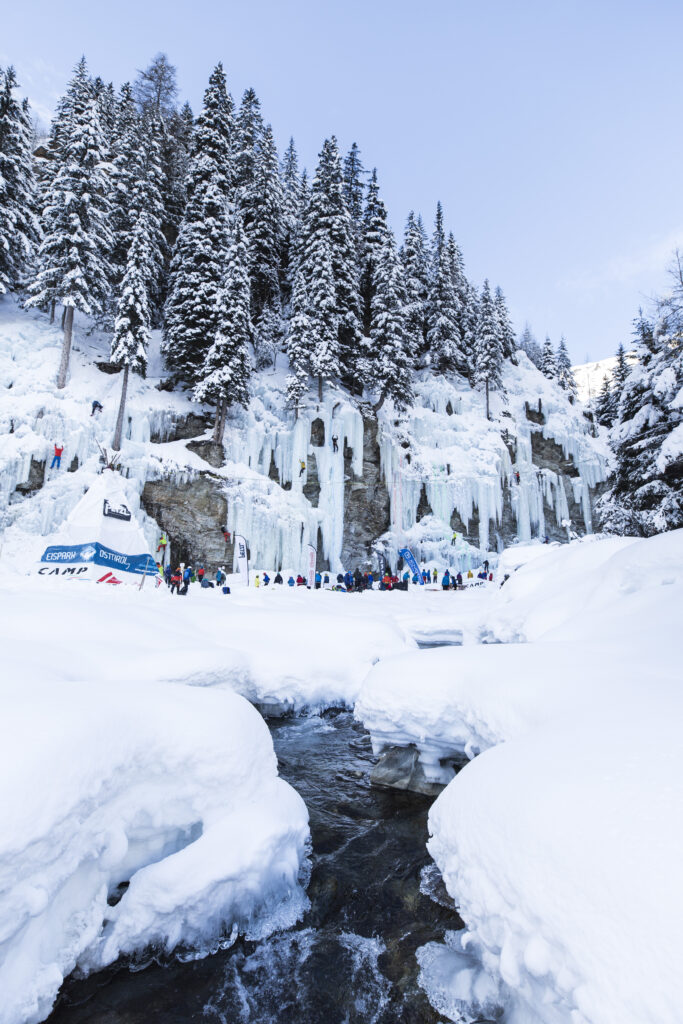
x: 101, y: 540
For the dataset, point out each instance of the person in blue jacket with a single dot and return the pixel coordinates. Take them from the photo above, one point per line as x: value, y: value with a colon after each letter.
x: 416, y: 578
x: 290, y: 581
x: 318, y: 581
x: 406, y: 576
x: 266, y: 579
x: 348, y: 580
x: 446, y: 581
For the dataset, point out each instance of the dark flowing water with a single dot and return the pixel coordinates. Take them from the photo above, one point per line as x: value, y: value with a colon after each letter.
x: 351, y: 960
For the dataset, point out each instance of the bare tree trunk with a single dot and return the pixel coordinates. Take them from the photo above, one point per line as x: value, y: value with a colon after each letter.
x: 63, y: 315
x: 320, y: 389
x: 488, y: 416
x: 378, y: 405
x: 66, y: 346
x: 217, y: 421
x: 219, y: 429
x: 122, y: 408
x: 52, y: 311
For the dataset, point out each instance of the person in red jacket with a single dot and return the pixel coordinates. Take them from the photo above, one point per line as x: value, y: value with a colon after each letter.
x: 57, y: 458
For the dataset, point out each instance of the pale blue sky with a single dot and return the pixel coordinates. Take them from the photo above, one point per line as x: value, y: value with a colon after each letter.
x: 551, y: 131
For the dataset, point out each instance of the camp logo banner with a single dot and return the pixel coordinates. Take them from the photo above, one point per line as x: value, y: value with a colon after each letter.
x: 96, y: 554
x: 120, y: 511
x: 408, y: 557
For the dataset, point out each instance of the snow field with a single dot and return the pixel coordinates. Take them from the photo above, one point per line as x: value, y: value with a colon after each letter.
x: 171, y: 788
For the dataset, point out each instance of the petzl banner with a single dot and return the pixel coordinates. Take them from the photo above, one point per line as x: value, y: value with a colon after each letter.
x: 408, y: 557
x: 240, y: 561
x: 312, y: 555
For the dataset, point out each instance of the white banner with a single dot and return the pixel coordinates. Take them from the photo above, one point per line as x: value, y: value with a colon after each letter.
x: 240, y: 562
x: 312, y: 556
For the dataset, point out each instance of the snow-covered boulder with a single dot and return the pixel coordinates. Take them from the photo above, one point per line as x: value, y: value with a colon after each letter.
x: 171, y: 789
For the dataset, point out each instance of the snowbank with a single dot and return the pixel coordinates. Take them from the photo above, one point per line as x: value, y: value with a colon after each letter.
x: 172, y: 789
x: 303, y: 649
x: 565, y: 835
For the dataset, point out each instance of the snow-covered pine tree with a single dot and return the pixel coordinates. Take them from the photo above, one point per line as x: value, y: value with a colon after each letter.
x: 261, y: 205
x: 548, y: 362
x: 326, y: 215
x: 226, y: 371
x: 176, y: 146
x: 489, y: 351
x: 323, y: 323
x: 647, y: 494
x: 73, y: 263
x: 470, y: 319
x: 389, y: 371
x: 354, y: 193
x: 268, y: 334
x: 606, y: 403
x: 19, y: 227
x: 621, y: 371
x: 443, y: 307
x: 293, y: 199
x: 416, y: 273
x: 131, y: 326
x: 508, y: 341
x: 298, y: 343
x: 148, y: 195
x: 565, y: 374
x: 374, y: 229
x: 458, y: 276
x: 528, y: 344
x: 197, y: 266
x: 249, y: 129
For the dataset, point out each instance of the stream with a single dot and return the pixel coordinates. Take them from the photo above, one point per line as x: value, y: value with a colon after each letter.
x: 375, y: 897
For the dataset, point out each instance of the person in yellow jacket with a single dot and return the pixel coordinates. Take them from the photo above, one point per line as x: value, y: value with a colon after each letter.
x: 470, y: 574
x: 257, y: 582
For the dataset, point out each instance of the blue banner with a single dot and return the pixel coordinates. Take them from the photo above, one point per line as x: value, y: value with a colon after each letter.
x: 408, y: 557
x: 97, y: 554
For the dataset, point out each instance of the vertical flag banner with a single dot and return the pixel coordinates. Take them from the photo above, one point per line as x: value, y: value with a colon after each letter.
x: 312, y: 556
x: 408, y: 557
x: 240, y: 562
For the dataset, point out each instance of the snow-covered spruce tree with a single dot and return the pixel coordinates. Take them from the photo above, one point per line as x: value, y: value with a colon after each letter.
x: 198, y: 263
x: 326, y: 215
x: 131, y: 326
x: 354, y: 193
x: 443, y: 308
x: 176, y: 146
x: 647, y: 494
x: 470, y: 319
x: 389, y: 372
x: 269, y: 331
x: 606, y: 403
x: 323, y: 318
x: 416, y: 273
x: 374, y: 229
x: 298, y: 343
x: 528, y: 344
x: 548, y: 362
x: 565, y: 374
x: 293, y: 198
x: 458, y: 276
x: 73, y: 262
x: 226, y: 370
x: 249, y: 130
x: 489, y: 351
x: 508, y: 341
x: 261, y: 206
x: 19, y: 228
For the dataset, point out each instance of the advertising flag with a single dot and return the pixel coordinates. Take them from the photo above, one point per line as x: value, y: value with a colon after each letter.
x: 408, y: 557
x: 312, y: 556
x: 240, y: 561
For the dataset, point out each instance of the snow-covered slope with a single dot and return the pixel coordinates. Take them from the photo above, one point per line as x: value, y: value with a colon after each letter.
x: 443, y: 466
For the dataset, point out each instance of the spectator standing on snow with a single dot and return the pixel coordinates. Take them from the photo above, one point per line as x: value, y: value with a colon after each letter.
x: 278, y: 579
x: 326, y: 580
x: 57, y: 457
x: 266, y: 579
x: 176, y: 580
x: 201, y: 572
x: 470, y: 574
x: 290, y: 581
x: 257, y: 582
x: 486, y: 565
x: 168, y: 572
x: 458, y: 579
x: 435, y: 576
x: 446, y: 581
x: 318, y: 581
